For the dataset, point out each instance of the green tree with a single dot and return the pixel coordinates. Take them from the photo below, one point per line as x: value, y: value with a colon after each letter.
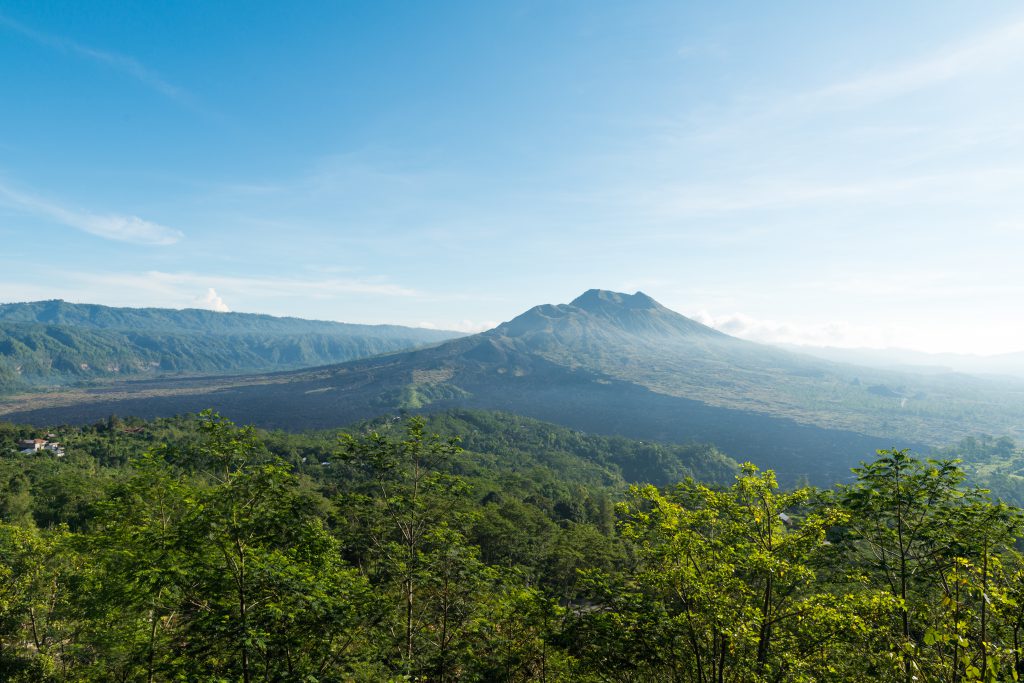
x: 133, y: 593
x: 264, y: 572
x: 724, y: 589
x: 38, y: 571
x: 211, y: 563
x: 412, y: 515
x: 16, y: 500
x: 933, y: 544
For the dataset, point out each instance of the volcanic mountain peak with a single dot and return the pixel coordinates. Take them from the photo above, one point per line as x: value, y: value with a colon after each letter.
x: 601, y: 312
x: 603, y: 300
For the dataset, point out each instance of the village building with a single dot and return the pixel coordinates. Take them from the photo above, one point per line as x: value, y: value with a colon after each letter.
x: 29, y: 446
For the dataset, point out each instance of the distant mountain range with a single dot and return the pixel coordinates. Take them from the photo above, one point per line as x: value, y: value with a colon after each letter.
x: 56, y: 344
x: 607, y: 363
x: 1009, y: 364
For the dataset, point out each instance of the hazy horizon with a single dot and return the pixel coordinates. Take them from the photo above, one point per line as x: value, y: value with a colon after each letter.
x: 831, y: 176
x: 891, y: 355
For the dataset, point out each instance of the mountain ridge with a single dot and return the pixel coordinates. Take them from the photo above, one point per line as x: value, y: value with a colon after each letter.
x: 56, y: 343
x: 99, y: 316
x: 612, y: 364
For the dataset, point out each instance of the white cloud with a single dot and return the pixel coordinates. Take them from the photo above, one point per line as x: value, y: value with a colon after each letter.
x: 834, y: 333
x: 468, y: 326
x: 1002, y: 336
x: 119, y: 227
x: 123, y: 63
x: 473, y: 326
x: 211, y: 301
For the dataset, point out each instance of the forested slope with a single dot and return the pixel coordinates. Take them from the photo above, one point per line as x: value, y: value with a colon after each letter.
x: 54, y: 343
x: 190, y: 549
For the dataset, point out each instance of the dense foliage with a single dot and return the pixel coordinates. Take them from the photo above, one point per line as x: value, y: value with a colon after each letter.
x: 192, y: 549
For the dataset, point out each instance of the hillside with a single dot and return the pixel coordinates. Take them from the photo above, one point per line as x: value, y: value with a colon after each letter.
x: 607, y: 363
x: 524, y: 453
x: 94, y: 316
x: 150, y: 550
x: 55, y: 343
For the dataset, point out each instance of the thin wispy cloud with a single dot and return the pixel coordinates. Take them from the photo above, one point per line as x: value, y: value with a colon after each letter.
x: 118, y: 227
x: 688, y: 201
x: 187, y: 289
x: 123, y: 63
x: 806, y: 149
x: 160, y: 282
x: 990, y: 51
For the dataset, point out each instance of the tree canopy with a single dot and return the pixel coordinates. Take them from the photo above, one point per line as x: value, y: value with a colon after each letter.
x: 194, y: 549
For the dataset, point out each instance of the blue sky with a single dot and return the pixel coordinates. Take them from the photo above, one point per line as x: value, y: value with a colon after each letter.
x: 824, y: 173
